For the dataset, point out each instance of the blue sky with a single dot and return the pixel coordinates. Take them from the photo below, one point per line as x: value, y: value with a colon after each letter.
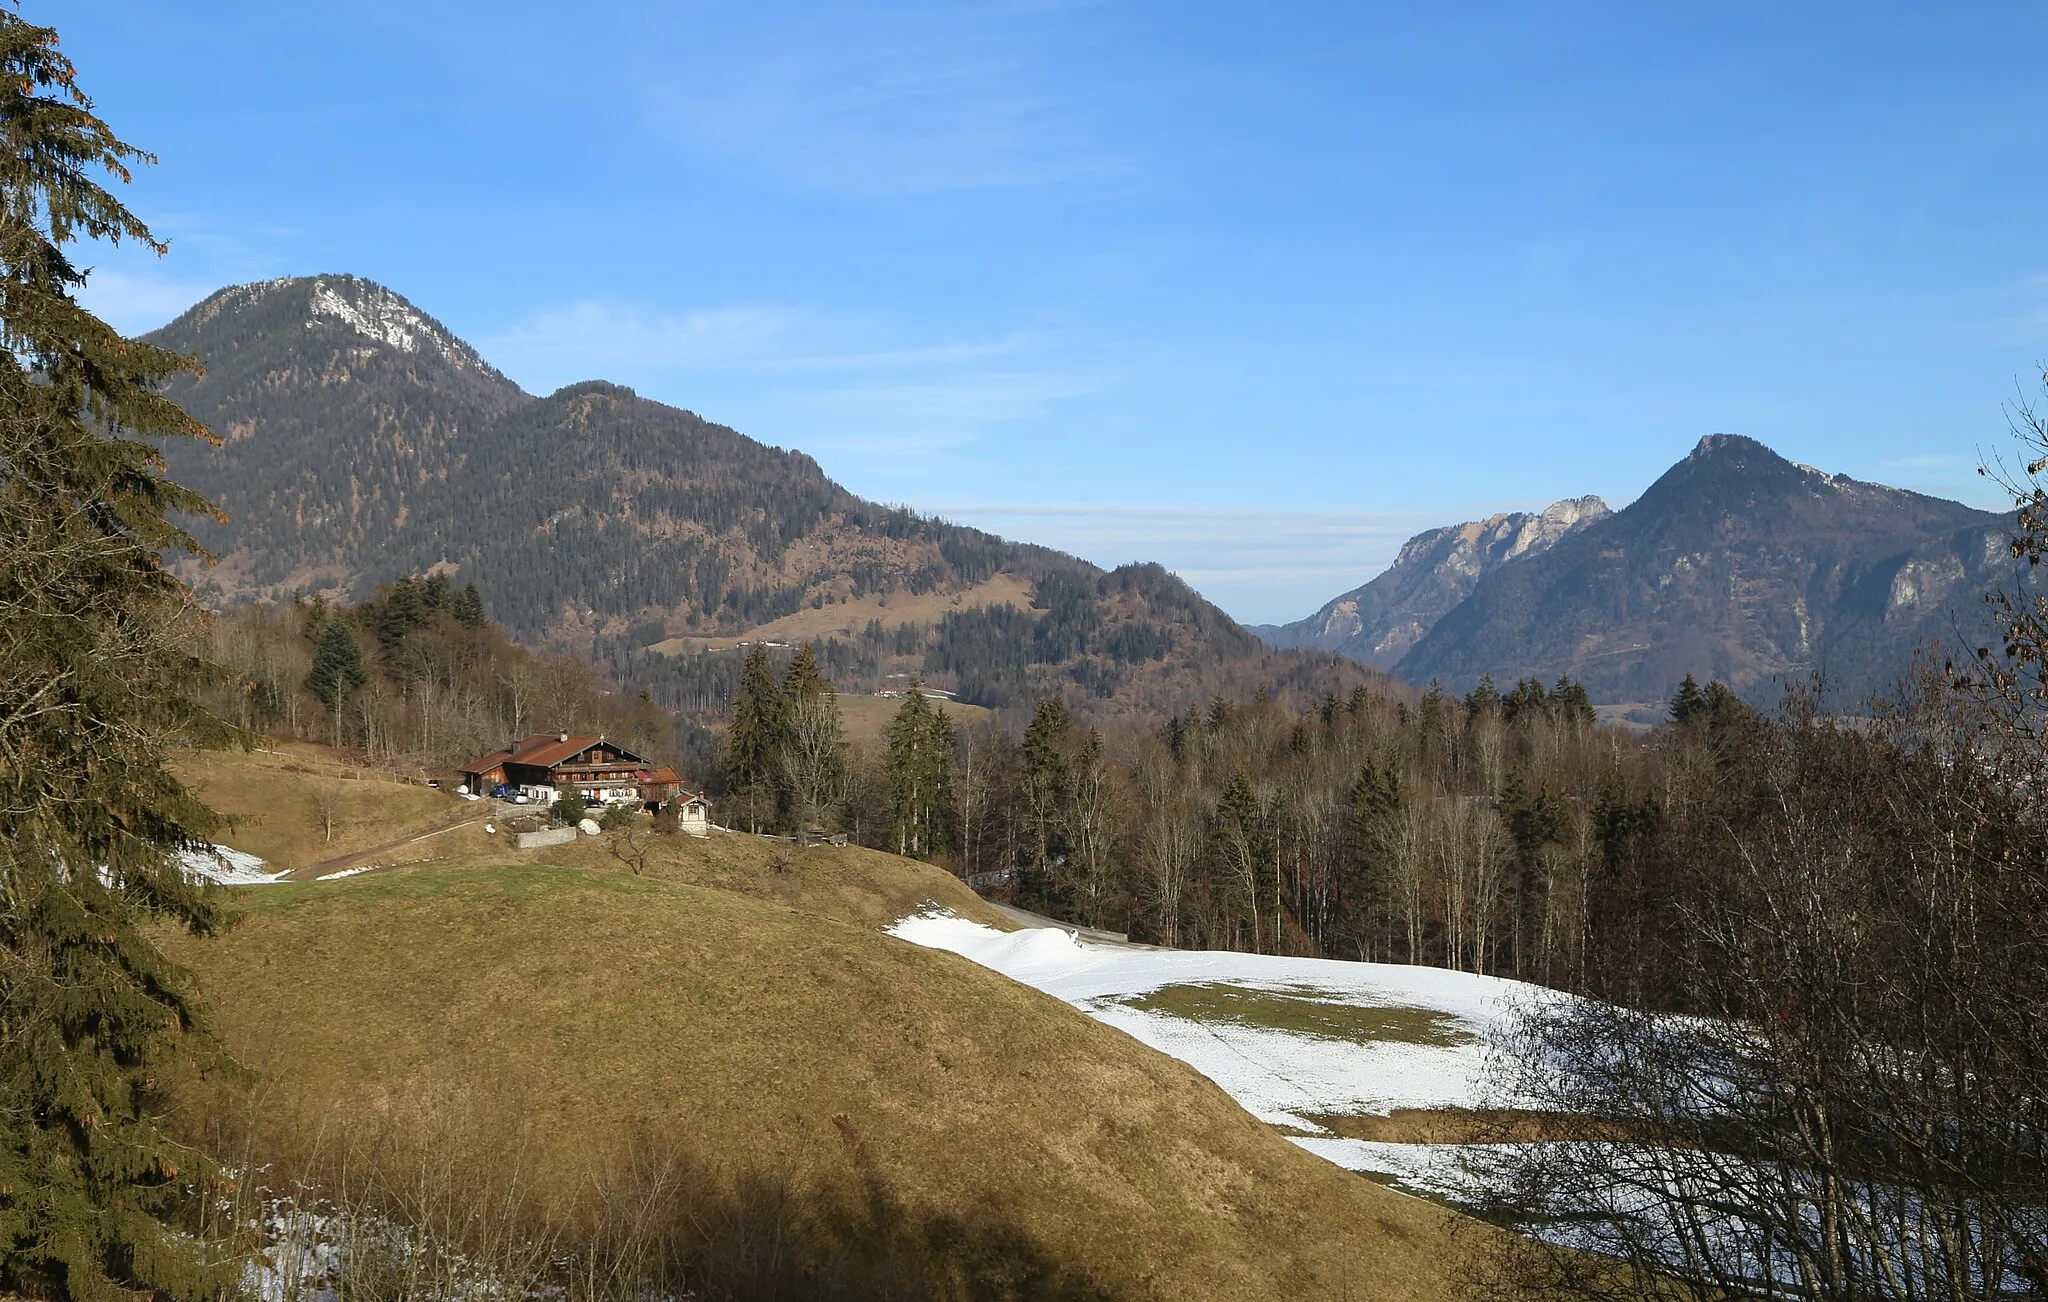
x: 1253, y: 290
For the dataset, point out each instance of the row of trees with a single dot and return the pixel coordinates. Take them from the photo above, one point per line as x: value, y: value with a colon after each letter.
x: 1464, y: 832
x: 416, y: 674
x: 788, y: 763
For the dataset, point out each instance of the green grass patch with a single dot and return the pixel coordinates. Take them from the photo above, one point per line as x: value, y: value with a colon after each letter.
x: 1301, y: 1010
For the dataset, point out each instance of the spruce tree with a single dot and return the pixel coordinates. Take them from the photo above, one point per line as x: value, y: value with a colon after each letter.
x: 920, y: 776
x: 1044, y: 754
x: 755, y: 738
x: 1569, y: 696
x: 1365, y: 868
x: 468, y: 607
x: 97, y: 681
x: 337, y: 666
x: 1689, y: 702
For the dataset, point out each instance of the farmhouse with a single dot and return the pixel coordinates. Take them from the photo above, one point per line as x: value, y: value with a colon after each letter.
x: 601, y: 770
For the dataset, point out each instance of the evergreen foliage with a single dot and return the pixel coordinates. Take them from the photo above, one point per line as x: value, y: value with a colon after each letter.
x: 921, y: 803
x: 755, y: 739
x: 97, y: 681
x: 338, y: 670
x: 1045, y: 784
x: 468, y: 607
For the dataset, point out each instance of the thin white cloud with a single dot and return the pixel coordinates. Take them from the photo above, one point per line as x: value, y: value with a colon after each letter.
x: 887, y: 99
x: 589, y: 337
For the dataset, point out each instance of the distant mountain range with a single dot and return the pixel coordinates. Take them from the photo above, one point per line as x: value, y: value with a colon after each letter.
x: 1378, y: 623
x: 364, y: 441
x: 1736, y: 564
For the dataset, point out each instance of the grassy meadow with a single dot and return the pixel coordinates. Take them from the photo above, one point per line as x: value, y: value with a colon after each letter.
x: 735, y: 1004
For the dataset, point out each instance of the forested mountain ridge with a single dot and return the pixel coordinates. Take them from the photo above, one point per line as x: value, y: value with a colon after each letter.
x: 364, y: 442
x: 1377, y: 623
x: 336, y: 400
x: 1737, y: 565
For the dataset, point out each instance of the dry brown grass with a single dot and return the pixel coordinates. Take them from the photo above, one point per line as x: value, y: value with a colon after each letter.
x: 1458, y: 1126
x: 867, y: 717
x: 740, y: 999
x: 271, y: 795
x: 821, y: 1051
x: 845, y: 618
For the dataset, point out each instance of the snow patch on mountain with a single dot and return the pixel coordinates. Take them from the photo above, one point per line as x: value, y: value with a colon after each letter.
x: 377, y: 313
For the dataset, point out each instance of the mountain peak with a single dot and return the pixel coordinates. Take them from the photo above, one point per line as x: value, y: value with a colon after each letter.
x: 354, y: 303
x: 1726, y: 444
x: 1435, y: 570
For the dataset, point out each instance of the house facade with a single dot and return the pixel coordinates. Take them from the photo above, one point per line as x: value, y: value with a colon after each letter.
x: 599, y: 769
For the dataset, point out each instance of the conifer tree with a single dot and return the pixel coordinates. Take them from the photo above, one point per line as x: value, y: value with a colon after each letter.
x: 920, y: 776
x: 1241, y: 841
x: 467, y: 607
x: 1372, y: 805
x: 1482, y: 698
x: 1688, y: 703
x: 1570, y: 699
x: 1044, y: 756
x: 97, y: 681
x: 337, y: 671
x: 755, y: 738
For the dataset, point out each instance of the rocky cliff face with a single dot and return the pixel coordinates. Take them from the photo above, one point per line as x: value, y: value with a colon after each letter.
x: 1378, y: 623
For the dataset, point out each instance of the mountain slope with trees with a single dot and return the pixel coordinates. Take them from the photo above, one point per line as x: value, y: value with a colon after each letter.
x: 364, y: 442
x: 1736, y: 565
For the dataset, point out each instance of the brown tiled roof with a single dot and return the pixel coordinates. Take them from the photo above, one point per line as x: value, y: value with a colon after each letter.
x: 544, y: 750
x: 657, y: 777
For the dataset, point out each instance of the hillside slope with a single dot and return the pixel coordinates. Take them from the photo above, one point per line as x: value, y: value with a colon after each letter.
x: 1736, y: 564
x: 1377, y: 623
x: 996, y: 1126
x: 365, y: 442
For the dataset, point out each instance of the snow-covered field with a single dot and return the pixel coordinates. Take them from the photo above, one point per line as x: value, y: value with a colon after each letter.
x: 228, y: 867
x: 1428, y: 1052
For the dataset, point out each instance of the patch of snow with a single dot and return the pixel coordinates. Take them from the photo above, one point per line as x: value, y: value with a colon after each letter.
x: 377, y: 313
x: 226, y: 866
x: 1426, y: 1168
x: 345, y: 872
x: 1281, y: 1077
